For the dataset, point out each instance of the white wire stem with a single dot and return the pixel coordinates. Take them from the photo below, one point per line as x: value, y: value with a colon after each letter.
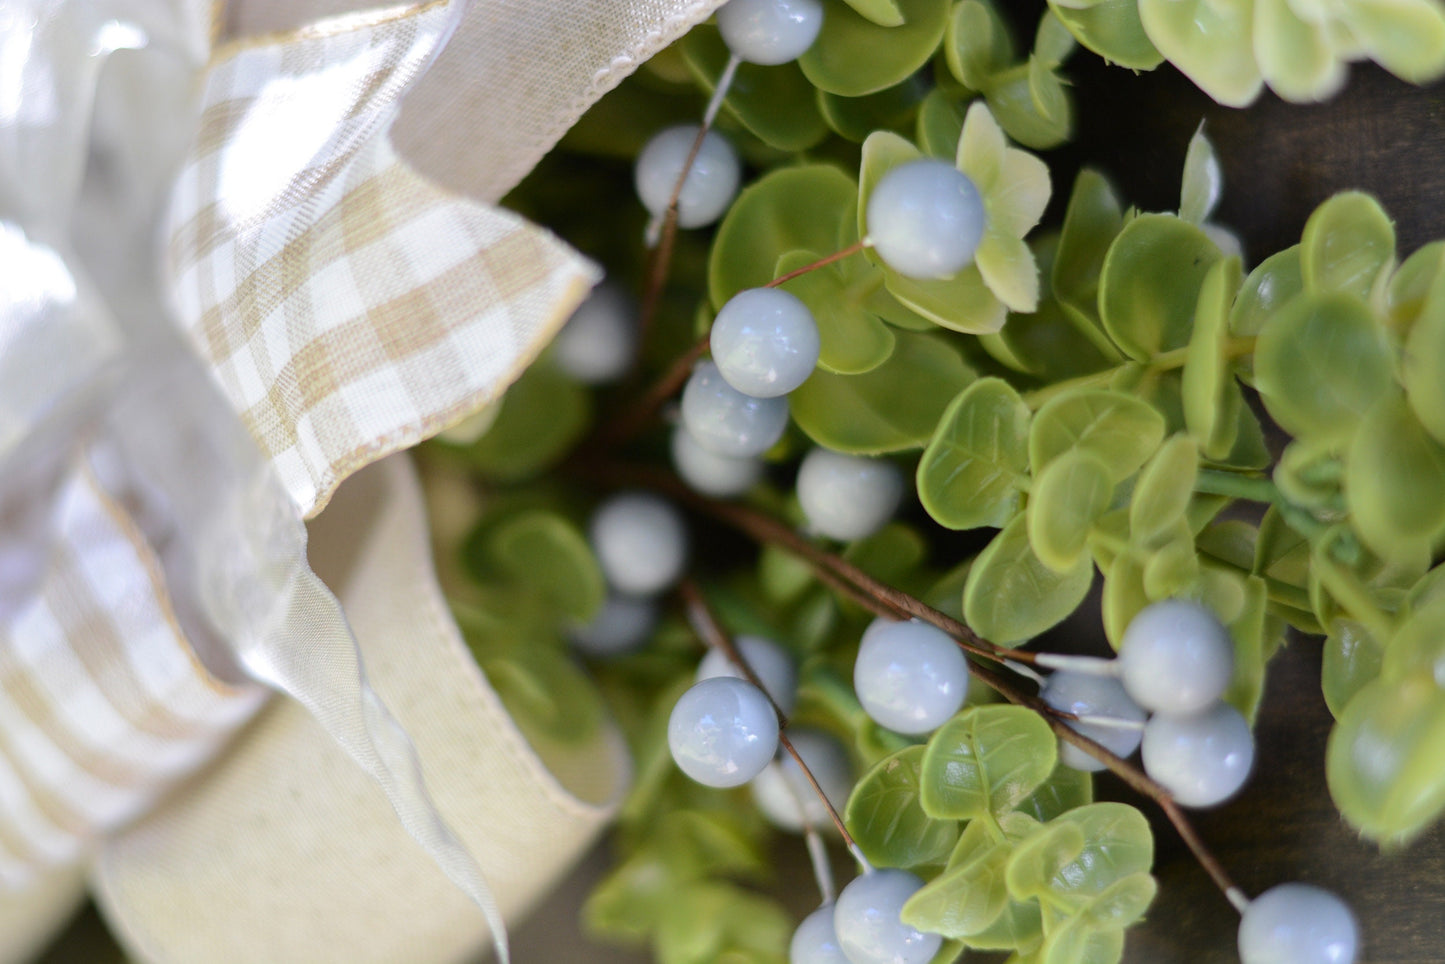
x: 1025, y: 671
x: 1087, y: 665
x: 822, y: 870
x: 1109, y: 722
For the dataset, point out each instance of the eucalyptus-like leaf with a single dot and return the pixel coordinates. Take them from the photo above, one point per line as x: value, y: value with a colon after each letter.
x: 1066, y: 498
x: 775, y: 103
x: 1424, y: 360
x: 1110, y: 28
x: 1210, y: 41
x: 1203, y: 180
x: 851, y: 338
x: 886, y: 818
x: 1162, y: 493
x: 1206, y: 376
x: 977, y: 44
x: 890, y: 408
x: 1150, y: 284
x: 985, y: 761
x: 789, y: 209
x: 542, y: 416
x: 1118, y: 428
x: 1352, y: 658
x: 854, y: 56
x: 1321, y: 364
x: 1382, y: 761
x: 976, y: 463
x: 1297, y: 57
x: 1395, y: 480
x: 940, y: 122
x: 1012, y: 596
x: 892, y: 108
x: 885, y: 13
x: 1347, y: 242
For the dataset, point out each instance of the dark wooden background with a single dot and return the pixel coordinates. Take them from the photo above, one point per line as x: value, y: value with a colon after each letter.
x: 1279, y: 161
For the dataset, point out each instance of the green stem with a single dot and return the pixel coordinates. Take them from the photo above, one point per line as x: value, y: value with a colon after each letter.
x: 1236, y: 486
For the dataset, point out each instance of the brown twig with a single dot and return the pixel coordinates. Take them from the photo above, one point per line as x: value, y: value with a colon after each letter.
x: 626, y: 426
x: 853, y: 248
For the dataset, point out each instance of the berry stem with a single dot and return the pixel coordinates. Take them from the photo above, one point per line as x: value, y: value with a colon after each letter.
x: 852, y: 249
x: 719, y: 94
x: 626, y: 426
x: 705, y: 623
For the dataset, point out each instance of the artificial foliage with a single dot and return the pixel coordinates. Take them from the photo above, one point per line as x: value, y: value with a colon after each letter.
x: 1111, y: 398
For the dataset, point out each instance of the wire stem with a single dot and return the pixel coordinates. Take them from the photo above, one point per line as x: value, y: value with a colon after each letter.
x: 852, y: 249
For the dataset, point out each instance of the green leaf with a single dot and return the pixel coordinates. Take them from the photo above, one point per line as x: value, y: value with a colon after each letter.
x: 1111, y: 29
x: 965, y: 899
x: 1043, y: 854
x: 940, y: 123
x: 1120, y: 429
x: 1352, y: 658
x: 547, y: 693
x: 977, y: 44
x: 707, y: 920
x: 777, y: 104
x: 961, y: 303
x: 1091, y: 222
x: 1268, y: 288
x: 1321, y: 364
x: 542, y: 416
x: 1162, y: 494
x: 1210, y: 42
x: 891, y: 408
x: 885, y: 13
x: 855, y: 118
x: 885, y: 816
x: 1297, y: 57
x: 976, y: 462
x: 1067, y: 497
x: 854, y: 56
x: 546, y: 553
x: 1124, y: 596
x: 1424, y: 361
x: 1150, y: 284
x: 1012, y: 596
x: 1124, y: 901
x: 893, y: 554
x: 1080, y: 942
x: 851, y: 338
x: 1395, y: 481
x: 1412, y: 283
x: 1032, y: 105
x: 629, y: 902
x: 1117, y: 845
x: 1382, y: 761
x: 1065, y: 789
x: 789, y: 209
x: 1406, y: 37
x: 1203, y: 181
x: 1347, y: 242
x: 985, y: 761
x: 1206, y: 377
x: 1246, y: 688
x: 1053, y: 44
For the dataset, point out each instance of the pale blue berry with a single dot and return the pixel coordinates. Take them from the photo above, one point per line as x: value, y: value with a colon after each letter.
x: 1176, y: 657
x: 719, y: 476
x: 764, y: 342
x: 925, y: 219
x: 868, y: 925
x: 1086, y: 694
x: 596, y: 345
x: 621, y: 626
x: 814, y: 941
x: 722, y: 732
x: 769, y: 662
x: 1298, y: 924
x: 640, y: 541
x: 782, y: 791
x: 910, y: 677
x: 1203, y: 758
x: 725, y: 421
x: 710, y: 184
x: 770, y: 31
x: 847, y: 497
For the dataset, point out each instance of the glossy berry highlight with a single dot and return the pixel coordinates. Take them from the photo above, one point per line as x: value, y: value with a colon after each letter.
x: 868, y: 925
x: 764, y: 341
x: 770, y: 32
x: 710, y: 185
x: 909, y: 676
x: 722, y: 732
x: 925, y: 219
x: 1176, y: 657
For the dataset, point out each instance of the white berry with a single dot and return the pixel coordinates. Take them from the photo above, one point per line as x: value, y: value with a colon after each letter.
x: 719, y: 476
x: 722, y: 732
x: 1203, y: 758
x: 725, y: 421
x: 1176, y: 657
x: 710, y: 184
x: 764, y: 342
x: 910, y: 677
x: 782, y: 791
x: 925, y: 219
x: 769, y: 662
x: 1298, y: 924
x: 770, y: 31
x: 596, y: 345
x: 621, y: 626
x: 1086, y: 694
x: 847, y: 496
x: 867, y: 922
x: 814, y: 942
x: 640, y: 542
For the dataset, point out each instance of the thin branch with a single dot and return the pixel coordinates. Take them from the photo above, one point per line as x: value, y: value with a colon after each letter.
x: 631, y: 422
x: 853, y: 248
